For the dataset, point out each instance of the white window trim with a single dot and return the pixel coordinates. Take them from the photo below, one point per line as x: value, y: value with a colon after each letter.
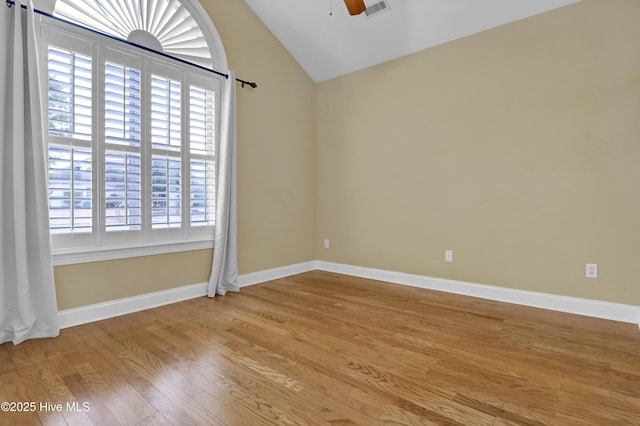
x: 63, y: 257
x: 88, y: 254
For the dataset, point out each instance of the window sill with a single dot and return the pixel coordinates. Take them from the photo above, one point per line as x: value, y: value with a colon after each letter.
x: 72, y: 257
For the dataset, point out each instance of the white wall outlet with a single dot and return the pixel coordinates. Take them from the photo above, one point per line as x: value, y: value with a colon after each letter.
x: 592, y: 270
x: 326, y: 244
x: 448, y: 255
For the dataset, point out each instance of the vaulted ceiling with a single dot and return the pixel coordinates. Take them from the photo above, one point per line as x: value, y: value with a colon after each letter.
x: 328, y: 42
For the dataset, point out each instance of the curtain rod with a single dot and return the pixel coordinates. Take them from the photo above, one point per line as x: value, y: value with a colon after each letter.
x: 48, y: 15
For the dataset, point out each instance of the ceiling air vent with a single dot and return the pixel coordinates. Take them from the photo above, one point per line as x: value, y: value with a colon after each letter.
x: 377, y: 8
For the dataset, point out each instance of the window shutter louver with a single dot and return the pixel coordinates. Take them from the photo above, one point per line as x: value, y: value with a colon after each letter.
x: 69, y: 100
x: 202, y: 193
x: 122, y: 105
x: 166, y: 192
x: 202, y: 127
x: 123, y: 196
x: 165, y: 113
x: 69, y: 189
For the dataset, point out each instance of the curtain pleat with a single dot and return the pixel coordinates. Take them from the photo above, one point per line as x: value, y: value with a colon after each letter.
x: 224, y: 270
x: 28, y: 306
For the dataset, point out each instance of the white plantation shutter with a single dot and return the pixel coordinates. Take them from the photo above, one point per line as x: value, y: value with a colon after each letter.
x: 122, y: 105
x: 203, y: 190
x: 69, y: 100
x: 166, y: 142
x: 202, y: 123
x: 69, y: 189
x: 123, y: 191
x: 122, y: 203
x: 69, y: 117
x: 202, y: 131
x: 166, y: 112
x: 166, y: 192
x: 132, y: 139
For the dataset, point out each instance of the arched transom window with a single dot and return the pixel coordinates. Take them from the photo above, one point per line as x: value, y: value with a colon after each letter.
x: 167, y: 26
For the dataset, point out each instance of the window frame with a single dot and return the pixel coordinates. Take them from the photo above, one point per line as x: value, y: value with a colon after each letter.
x: 100, y: 244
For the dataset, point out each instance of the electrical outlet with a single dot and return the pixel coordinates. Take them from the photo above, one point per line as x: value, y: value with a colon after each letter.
x: 326, y: 244
x: 592, y: 270
x: 448, y: 255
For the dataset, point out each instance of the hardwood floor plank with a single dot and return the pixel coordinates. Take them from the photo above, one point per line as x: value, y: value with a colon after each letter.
x: 163, y: 404
x: 87, y: 402
x: 251, y: 386
x: 28, y: 373
x: 369, y: 374
x: 323, y: 348
x: 101, y: 390
x: 14, y: 387
x: 6, y: 362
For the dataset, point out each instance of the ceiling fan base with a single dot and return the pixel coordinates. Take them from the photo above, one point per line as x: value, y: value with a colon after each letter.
x: 355, y: 7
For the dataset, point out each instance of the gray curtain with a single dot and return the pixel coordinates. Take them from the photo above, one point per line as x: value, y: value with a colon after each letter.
x: 224, y: 271
x: 27, y: 294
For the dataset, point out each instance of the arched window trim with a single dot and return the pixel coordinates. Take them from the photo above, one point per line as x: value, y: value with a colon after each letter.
x: 202, y: 18
x: 71, y: 254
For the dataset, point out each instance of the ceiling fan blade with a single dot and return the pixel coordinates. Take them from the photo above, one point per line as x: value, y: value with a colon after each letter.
x: 355, y: 7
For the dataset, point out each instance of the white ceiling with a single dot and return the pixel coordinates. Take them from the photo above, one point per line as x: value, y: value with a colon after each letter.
x: 329, y: 46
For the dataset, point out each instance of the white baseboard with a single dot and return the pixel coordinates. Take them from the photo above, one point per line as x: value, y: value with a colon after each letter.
x: 275, y: 273
x: 114, y: 308
x: 572, y: 305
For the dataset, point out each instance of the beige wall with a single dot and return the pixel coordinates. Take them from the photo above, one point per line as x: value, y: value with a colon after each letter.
x: 275, y: 174
x: 89, y: 283
x: 518, y: 148
x: 275, y: 142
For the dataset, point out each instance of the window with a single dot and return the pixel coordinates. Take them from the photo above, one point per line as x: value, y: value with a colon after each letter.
x: 132, y: 135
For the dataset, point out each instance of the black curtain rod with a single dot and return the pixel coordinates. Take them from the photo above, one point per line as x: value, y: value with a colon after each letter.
x: 48, y: 15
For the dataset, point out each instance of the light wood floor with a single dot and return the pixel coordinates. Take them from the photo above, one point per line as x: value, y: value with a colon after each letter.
x: 322, y: 348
